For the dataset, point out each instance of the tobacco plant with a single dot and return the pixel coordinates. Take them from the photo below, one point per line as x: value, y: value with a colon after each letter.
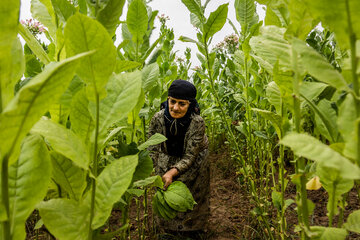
x: 291, y: 60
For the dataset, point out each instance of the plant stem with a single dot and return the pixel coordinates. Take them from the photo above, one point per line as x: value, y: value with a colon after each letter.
x: 223, y: 115
x: 282, y: 177
x: 133, y: 125
x: 354, y: 63
x: 332, y: 204
x: 300, y: 163
x: 95, y: 164
x: 5, y: 196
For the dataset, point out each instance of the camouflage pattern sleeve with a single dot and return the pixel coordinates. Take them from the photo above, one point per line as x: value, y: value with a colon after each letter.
x: 193, y: 145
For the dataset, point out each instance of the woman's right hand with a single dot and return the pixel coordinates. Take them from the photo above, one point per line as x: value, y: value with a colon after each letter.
x: 168, y: 177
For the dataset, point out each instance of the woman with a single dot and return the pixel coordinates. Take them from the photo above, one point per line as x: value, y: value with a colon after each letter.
x: 183, y: 157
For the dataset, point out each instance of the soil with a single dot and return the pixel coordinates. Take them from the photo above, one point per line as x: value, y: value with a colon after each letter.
x: 230, y: 209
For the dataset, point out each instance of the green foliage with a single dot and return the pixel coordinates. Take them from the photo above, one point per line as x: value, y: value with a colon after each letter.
x: 110, y: 14
x: 123, y: 90
x: 322, y: 233
x: 83, y: 34
x: 346, y: 17
x: 353, y: 222
x: 246, y: 14
x: 155, y: 139
x: 68, y: 176
x: 162, y: 208
x: 137, y: 21
x: 111, y: 185
x: 311, y: 148
x: 179, y: 197
x: 43, y: 11
x: 215, y: 22
x: 63, y: 141
x: 63, y: 9
x: 31, y: 101
x: 348, y: 123
x: 56, y: 217
x: 33, y: 168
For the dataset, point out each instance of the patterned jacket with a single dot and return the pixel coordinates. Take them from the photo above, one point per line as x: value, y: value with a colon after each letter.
x: 194, y: 152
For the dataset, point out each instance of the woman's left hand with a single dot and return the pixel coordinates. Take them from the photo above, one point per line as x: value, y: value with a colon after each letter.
x: 168, y: 177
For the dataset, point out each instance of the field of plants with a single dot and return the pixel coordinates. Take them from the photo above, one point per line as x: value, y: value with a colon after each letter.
x: 280, y: 96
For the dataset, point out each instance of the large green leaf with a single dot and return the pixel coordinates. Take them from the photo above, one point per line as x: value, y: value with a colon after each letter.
x: 327, y: 233
x: 63, y: 9
x: 150, y: 75
x: 301, y: 22
x: 215, y: 22
x: 81, y: 121
x: 273, y: 95
x: 246, y: 14
x: 284, y: 80
x: 125, y: 65
x: 43, y: 11
x: 111, y: 185
x: 155, y: 181
x: 272, y: 19
x: 60, y: 111
x: 144, y: 167
x: 325, y: 118
x: 12, y: 66
x: 347, y: 123
x: 84, y: 34
x: 9, y: 16
x: 334, y: 184
x: 179, y: 197
x: 65, y: 218
x: 123, y: 91
x: 29, y: 178
x: 317, y: 66
x: 32, y: 101
x: 153, y: 140
x: 137, y: 20
x: 273, y: 118
x: 109, y: 16
x: 63, y: 141
x: 272, y: 47
x: 312, y: 90
x: 347, y: 16
x: 69, y: 176
x: 353, y: 222
x: 34, y: 44
x: 309, y: 147
x: 195, y: 8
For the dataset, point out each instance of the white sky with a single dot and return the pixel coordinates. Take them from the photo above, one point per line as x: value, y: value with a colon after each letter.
x: 179, y: 21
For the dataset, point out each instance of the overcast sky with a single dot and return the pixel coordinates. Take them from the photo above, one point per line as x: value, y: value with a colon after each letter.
x: 179, y: 21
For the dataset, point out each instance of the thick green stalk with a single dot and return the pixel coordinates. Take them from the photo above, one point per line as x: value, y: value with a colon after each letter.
x: 138, y: 217
x: 5, y: 196
x: 341, y: 214
x: 300, y: 163
x: 282, y: 178
x: 1, y: 101
x: 223, y: 114
x: 248, y: 112
x: 95, y: 165
x: 332, y: 204
x: 146, y: 218
x: 133, y: 125
x: 355, y: 81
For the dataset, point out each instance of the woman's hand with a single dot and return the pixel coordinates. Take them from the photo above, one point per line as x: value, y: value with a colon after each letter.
x: 168, y: 177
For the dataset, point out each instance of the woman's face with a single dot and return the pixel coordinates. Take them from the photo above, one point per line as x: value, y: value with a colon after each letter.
x: 178, y: 107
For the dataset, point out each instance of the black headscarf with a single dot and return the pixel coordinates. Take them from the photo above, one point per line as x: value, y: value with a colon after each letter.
x: 176, y: 128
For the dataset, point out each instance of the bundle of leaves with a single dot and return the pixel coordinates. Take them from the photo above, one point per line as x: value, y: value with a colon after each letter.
x: 177, y: 198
